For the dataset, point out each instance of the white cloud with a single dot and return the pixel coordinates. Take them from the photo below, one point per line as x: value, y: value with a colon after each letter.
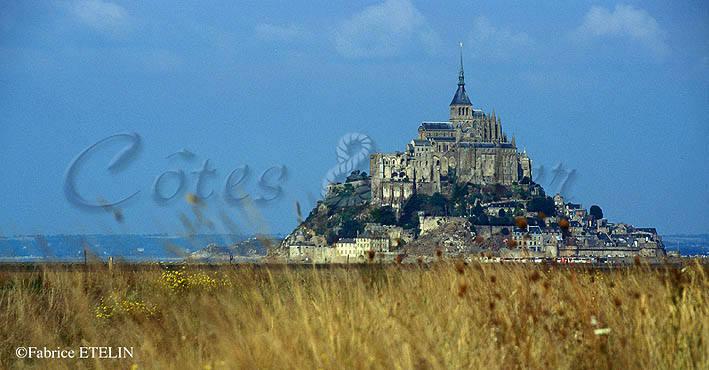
x: 273, y: 32
x: 491, y: 41
x: 384, y: 30
x: 625, y: 21
x: 100, y: 14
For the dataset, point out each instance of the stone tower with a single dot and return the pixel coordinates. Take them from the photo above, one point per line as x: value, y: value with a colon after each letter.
x: 461, y: 110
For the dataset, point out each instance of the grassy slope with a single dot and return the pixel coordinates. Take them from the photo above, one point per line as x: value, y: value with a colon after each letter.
x: 448, y: 316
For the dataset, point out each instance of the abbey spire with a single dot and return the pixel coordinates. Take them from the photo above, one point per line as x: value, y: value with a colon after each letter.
x: 461, y: 77
x: 461, y: 110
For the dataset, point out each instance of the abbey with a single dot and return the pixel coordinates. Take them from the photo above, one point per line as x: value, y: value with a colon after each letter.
x: 470, y: 147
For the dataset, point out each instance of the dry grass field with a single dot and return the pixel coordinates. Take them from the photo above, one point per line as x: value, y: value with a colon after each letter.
x: 446, y: 316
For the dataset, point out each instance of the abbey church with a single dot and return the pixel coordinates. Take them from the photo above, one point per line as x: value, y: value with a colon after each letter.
x: 470, y: 147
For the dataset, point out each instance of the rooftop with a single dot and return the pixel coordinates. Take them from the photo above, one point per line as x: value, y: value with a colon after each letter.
x: 437, y: 126
x: 530, y: 230
x: 468, y: 144
x: 461, y: 97
x: 421, y: 142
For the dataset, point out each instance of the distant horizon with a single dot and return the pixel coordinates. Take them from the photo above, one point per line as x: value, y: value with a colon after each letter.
x: 138, y: 234
x: 249, y: 236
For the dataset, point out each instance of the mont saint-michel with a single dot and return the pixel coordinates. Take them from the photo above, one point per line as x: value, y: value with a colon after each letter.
x: 387, y: 184
x: 469, y: 148
x: 460, y: 187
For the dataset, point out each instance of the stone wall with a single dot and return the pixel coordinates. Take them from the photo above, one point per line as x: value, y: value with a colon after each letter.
x: 487, y: 231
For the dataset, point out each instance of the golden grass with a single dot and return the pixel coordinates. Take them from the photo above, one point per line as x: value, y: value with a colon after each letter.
x: 448, y: 316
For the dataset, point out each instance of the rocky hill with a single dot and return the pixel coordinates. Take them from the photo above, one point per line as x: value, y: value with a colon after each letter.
x: 470, y: 218
x: 248, y: 250
x: 346, y: 210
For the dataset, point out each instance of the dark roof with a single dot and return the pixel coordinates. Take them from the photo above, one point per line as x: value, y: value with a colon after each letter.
x: 437, y: 126
x: 434, y: 138
x: 650, y: 230
x: 461, y: 97
x: 468, y: 144
x: 604, y: 237
x: 530, y: 230
x: 422, y: 142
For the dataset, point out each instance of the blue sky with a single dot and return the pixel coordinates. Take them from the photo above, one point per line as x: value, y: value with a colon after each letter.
x: 618, y: 92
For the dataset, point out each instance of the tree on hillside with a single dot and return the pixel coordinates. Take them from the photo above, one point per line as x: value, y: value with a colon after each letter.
x: 383, y: 215
x: 331, y: 237
x: 477, y: 210
x: 596, y: 212
x: 542, y: 204
x: 502, y: 190
x: 438, y: 204
x: 349, y: 229
x: 409, y: 215
x: 438, y: 200
x: 459, y: 193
